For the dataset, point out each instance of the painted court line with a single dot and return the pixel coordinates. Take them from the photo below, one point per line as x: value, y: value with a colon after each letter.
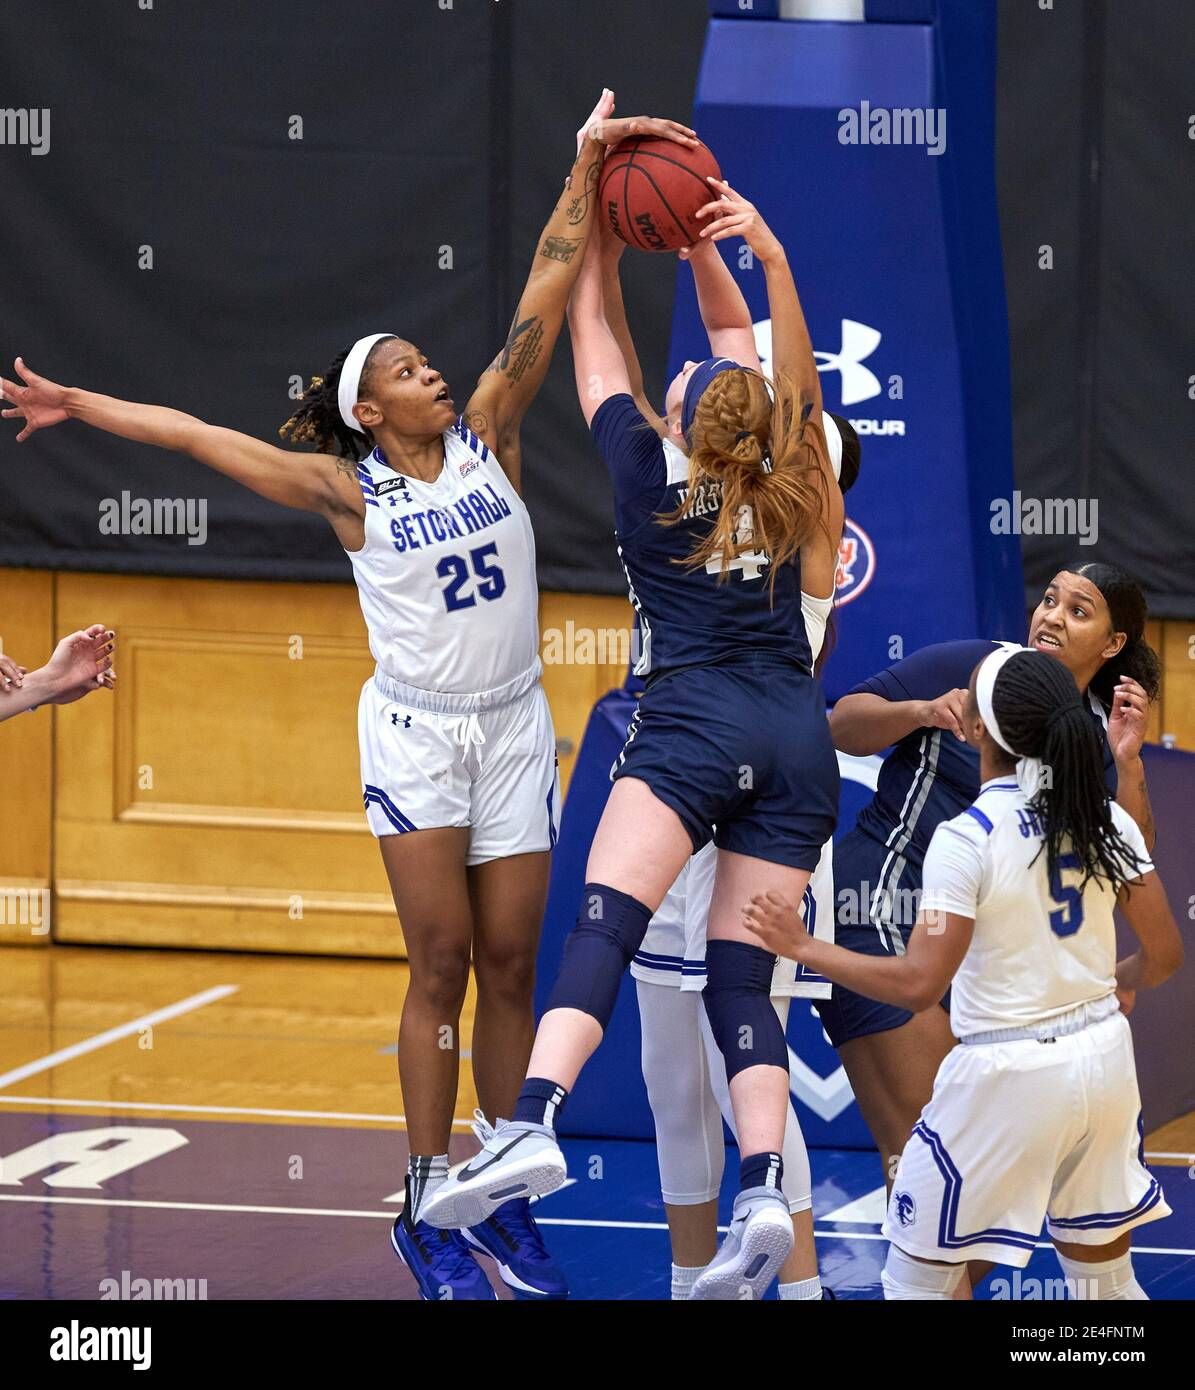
x: 214, y: 1109
x: 389, y: 1216
x: 80, y: 1049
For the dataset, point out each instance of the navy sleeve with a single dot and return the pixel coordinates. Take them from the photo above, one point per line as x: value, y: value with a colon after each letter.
x: 928, y: 673
x: 632, y: 450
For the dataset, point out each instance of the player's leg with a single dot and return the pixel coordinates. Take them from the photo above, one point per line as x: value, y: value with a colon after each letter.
x: 690, y: 1147
x: 908, y: 1277
x: 1103, y: 1189
x: 1100, y: 1272
x: 508, y: 898
x: 640, y: 846
x: 750, y: 1038
x: 892, y: 1075
x: 798, y: 1275
x: 426, y: 869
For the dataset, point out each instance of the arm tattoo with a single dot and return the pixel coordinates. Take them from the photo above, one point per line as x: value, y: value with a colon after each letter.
x: 579, y: 206
x: 560, y: 248
x: 477, y: 421
x: 522, y: 349
x: 346, y: 466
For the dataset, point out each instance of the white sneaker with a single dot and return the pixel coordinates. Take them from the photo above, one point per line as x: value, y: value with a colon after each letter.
x: 516, y: 1160
x: 757, y: 1244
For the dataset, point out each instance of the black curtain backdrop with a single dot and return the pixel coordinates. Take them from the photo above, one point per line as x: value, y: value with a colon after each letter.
x: 1097, y: 162
x: 425, y: 128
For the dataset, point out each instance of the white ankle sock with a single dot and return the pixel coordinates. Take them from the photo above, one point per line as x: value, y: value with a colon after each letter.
x: 802, y: 1289
x: 683, y: 1279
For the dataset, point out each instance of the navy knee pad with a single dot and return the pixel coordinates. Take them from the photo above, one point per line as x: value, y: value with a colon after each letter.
x: 737, y: 996
x: 610, y: 929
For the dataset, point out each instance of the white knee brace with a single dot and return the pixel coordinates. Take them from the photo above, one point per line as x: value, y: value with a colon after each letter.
x: 906, y: 1278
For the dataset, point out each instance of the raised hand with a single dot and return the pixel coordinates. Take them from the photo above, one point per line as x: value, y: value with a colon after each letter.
x: 603, y: 127
x: 732, y: 215
x: 40, y: 403
x: 1128, y: 720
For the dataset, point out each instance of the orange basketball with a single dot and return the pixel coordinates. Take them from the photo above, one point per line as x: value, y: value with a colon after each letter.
x: 651, y: 188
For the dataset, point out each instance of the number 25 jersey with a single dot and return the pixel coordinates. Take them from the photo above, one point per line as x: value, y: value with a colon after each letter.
x: 447, y: 573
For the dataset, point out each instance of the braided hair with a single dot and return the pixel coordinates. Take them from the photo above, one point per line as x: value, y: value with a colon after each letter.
x: 317, y: 419
x: 766, y: 454
x: 1041, y: 715
x: 1127, y: 609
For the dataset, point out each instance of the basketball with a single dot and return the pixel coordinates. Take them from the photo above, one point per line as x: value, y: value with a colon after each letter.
x: 651, y: 189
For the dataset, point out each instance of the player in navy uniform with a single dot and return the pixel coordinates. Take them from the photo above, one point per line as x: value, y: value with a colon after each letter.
x: 730, y: 732
x: 457, y: 747
x: 682, y: 1067
x: 1092, y: 619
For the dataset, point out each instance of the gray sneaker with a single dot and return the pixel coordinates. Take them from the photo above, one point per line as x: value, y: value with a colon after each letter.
x: 516, y: 1160
x: 757, y: 1244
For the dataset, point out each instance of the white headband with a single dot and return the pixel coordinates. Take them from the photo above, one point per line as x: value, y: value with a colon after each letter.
x: 1029, y: 770
x: 833, y: 443
x: 350, y: 378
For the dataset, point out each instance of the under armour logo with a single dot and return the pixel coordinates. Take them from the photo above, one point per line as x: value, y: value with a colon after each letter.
x: 859, y: 341
x: 406, y: 719
x: 858, y: 382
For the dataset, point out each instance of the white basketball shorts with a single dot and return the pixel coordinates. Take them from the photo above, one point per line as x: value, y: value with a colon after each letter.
x: 494, y: 771
x: 1017, y: 1133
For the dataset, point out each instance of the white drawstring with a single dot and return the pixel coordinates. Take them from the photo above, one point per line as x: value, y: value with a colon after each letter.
x: 466, y: 729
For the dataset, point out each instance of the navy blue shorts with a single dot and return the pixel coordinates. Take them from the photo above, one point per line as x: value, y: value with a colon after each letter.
x: 861, y: 866
x: 745, y: 747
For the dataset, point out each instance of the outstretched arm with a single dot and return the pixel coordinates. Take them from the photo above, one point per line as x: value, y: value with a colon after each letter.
x: 724, y: 311
x: 600, y: 364
x: 913, y: 981
x: 81, y: 662
x: 320, y: 483
x: 610, y: 248
x: 511, y: 381
x: 792, y: 348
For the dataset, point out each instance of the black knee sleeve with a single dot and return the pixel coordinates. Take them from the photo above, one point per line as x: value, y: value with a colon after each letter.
x: 610, y: 929
x: 738, y: 1003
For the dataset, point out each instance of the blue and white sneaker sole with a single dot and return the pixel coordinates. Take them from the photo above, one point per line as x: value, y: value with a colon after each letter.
x: 458, y: 1205
x: 764, y: 1244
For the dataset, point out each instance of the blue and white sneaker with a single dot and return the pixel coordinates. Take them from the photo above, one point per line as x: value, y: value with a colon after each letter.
x: 443, y: 1265
x: 513, y: 1240
x: 516, y: 1160
x: 757, y: 1244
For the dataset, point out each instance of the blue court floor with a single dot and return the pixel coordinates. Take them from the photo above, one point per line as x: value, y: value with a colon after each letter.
x: 302, y: 1211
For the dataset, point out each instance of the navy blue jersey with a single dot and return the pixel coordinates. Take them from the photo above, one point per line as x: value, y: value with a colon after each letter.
x: 688, y: 617
x: 930, y: 776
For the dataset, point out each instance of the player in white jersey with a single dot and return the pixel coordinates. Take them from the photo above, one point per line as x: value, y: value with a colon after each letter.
x: 682, y: 1067
x: 1035, y: 1114
x: 457, y: 748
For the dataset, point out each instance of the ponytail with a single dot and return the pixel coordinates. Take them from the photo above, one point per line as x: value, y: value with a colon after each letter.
x: 317, y: 419
x: 767, y: 455
x: 1040, y: 715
